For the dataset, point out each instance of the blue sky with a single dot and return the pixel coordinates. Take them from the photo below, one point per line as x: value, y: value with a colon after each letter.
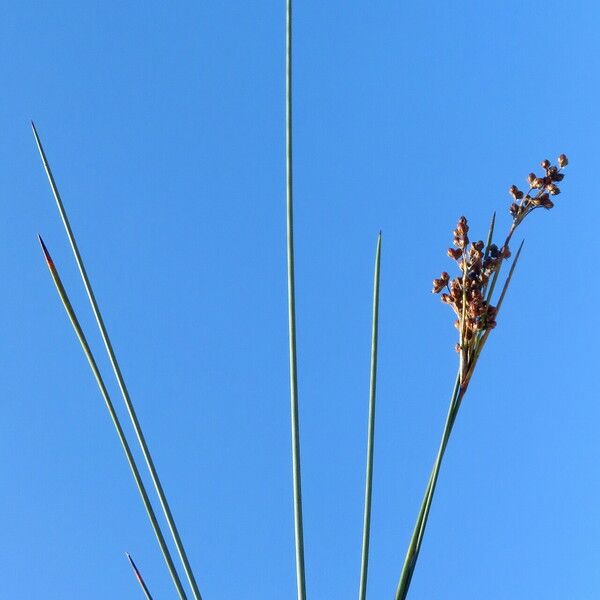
x: 164, y: 126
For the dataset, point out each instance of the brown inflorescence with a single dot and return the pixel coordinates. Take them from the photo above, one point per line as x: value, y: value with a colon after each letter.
x: 469, y: 294
x: 465, y: 293
x: 540, y: 190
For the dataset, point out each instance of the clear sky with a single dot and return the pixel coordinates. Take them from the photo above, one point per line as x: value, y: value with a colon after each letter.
x: 164, y: 125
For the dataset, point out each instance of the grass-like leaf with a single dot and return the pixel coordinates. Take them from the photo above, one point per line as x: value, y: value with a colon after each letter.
x: 118, y: 374
x: 115, y: 419
x: 364, y: 563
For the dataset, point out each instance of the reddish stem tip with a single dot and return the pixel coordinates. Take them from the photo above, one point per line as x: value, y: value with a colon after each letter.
x: 46, y: 253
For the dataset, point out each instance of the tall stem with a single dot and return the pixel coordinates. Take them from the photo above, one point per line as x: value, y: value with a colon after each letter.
x: 364, y: 563
x: 295, y: 426
x: 414, y: 547
x: 117, y: 371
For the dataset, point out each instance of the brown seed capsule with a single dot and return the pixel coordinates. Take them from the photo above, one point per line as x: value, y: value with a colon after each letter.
x: 505, y: 252
x: 537, y: 183
x: 563, y: 161
x: 514, y: 209
x: 531, y: 178
x: 457, y: 347
x: 545, y: 164
x: 553, y: 189
x: 476, y: 256
x: 454, y: 253
x: 545, y: 202
x: 515, y: 192
x: 445, y: 298
x: 478, y: 245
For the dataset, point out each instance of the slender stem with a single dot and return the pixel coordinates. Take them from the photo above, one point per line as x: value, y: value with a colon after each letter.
x: 414, y: 547
x: 115, y: 419
x: 497, y: 271
x: 295, y: 426
x: 139, y: 577
x: 488, y: 243
x: 364, y: 563
x: 117, y: 371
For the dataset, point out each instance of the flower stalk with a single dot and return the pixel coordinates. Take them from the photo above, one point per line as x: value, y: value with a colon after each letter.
x: 470, y: 296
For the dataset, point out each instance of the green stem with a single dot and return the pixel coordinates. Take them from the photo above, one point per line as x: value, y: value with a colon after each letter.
x: 115, y: 419
x: 121, y: 381
x: 295, y: 427
x: 414, y: 547
x: 364, y: 564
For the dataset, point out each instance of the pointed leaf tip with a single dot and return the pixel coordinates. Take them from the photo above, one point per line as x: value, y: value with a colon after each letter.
x: 46, y: 253
x: 41, y: 241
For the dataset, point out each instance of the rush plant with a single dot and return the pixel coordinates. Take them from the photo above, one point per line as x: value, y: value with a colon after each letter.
x: 470, y: 293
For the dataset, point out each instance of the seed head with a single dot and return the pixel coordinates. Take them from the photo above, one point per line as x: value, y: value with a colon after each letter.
x: 468, y: 293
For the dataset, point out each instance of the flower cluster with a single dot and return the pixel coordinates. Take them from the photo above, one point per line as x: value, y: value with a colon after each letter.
x: 469, y: 294
x: 540, y: 189
x: 465, y: 294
